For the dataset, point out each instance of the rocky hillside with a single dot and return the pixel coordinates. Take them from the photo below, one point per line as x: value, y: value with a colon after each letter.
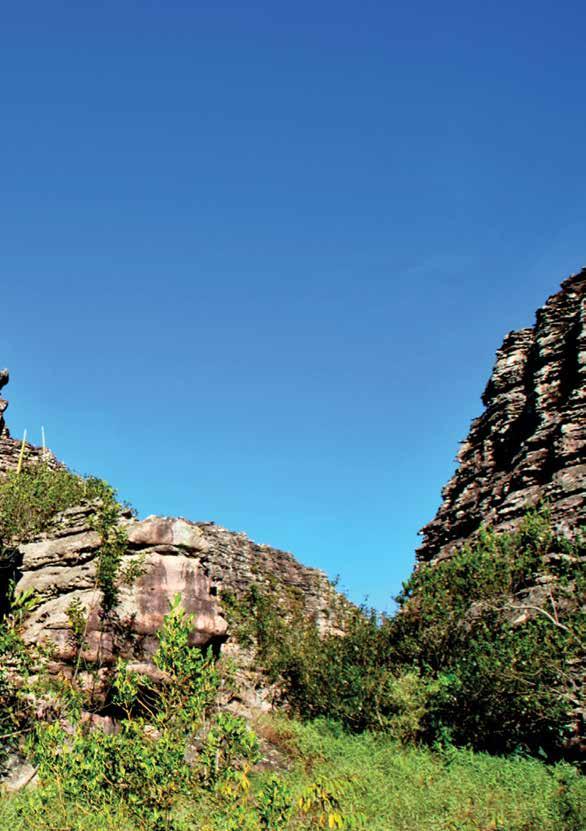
x: 200, y: 560
x: 529, y: 444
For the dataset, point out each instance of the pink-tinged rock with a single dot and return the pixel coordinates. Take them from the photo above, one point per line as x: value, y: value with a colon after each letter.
x: 197, y: 561
x: 140, y: 610
x: 155, y: 531
x: 166, y: 575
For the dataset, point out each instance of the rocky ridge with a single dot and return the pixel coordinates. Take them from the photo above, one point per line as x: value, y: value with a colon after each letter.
x: 199, y: 560
x: 529, y: 445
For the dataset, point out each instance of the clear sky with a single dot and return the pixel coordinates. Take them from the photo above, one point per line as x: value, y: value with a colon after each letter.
x: 256, y: 259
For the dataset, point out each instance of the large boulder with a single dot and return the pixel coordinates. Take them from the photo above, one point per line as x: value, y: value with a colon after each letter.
x: 198, y: 561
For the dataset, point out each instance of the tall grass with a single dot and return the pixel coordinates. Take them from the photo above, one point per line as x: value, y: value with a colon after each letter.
x: 382, y: 786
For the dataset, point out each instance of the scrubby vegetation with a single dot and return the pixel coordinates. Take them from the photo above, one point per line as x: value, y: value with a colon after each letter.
x: 365, y: 781
x: 30, y: 499
x: 387, y: 725
x: 486, y: 650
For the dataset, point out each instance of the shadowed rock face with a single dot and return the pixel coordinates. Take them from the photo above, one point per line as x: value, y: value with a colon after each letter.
x: 530, y: 443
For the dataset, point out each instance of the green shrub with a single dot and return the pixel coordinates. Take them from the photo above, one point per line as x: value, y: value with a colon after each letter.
x: 192, y: 677
x: 377, y: 785
x: 14, y: 659
x: 275, y: 805
x: 229, y: 745
x: 453, y: 663
x: 146, y: 764
x: 508, y: 680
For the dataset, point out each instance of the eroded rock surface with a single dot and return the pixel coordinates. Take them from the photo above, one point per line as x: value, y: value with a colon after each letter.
x: 196, y: 560
x: 529, y: 444
x: 61, y: 569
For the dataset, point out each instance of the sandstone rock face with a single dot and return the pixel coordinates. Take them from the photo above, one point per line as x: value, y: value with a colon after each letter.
x: 10, y: 452
x: 529, y: 444
x: 61, y: 568
x: 196, y: 560
x: 4, y: 376
x: 55, y: 574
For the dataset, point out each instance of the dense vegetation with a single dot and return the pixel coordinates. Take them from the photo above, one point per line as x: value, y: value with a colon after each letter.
x: 455, y: 666
x: 30, y: 500
x: 486, y: 650
x: 368, y: 780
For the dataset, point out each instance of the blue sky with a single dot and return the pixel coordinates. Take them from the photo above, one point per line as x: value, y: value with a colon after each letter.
x: 256, y: 260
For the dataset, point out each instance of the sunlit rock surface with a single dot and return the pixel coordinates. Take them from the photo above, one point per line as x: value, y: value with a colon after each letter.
x: 529, y: 444
x: 197, y: 560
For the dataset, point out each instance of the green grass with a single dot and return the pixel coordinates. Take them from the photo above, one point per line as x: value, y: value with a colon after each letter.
x: 381, y: 786
x: 416, y: 789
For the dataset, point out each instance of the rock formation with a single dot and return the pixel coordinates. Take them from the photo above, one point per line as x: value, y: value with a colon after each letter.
x: 4, y: 377
x: 529, y: 445
x: 198, y: 560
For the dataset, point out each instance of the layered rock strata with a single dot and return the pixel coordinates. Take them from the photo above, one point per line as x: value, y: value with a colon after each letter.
x: 529, y: 445
x: 199, y: 561
x: 4, y: 377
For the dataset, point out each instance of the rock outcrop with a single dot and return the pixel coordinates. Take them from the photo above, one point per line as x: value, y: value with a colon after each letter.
x: 529, y: 445
x: 4, y: 377
x: 198, y: 560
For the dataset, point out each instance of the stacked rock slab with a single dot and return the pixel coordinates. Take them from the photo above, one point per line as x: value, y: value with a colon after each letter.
x: 198, y: 560
x: 4, y: 376
x: 529, y: 445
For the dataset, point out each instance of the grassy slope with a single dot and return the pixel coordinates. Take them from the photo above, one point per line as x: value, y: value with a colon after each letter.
x: 384, y: 788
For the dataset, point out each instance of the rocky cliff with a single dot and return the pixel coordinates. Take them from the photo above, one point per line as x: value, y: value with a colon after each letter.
x: 529, y: 445
x: 199, y: 560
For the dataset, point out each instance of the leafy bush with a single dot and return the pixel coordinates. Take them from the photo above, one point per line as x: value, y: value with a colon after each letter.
x: 146, y: 763
x: 509, y: 662
x: 14, y: 658
x: 192, y: 678
x: 228, y: 744
x: 471, y: 656
x: 275, y: 804
x: 377, y: 784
